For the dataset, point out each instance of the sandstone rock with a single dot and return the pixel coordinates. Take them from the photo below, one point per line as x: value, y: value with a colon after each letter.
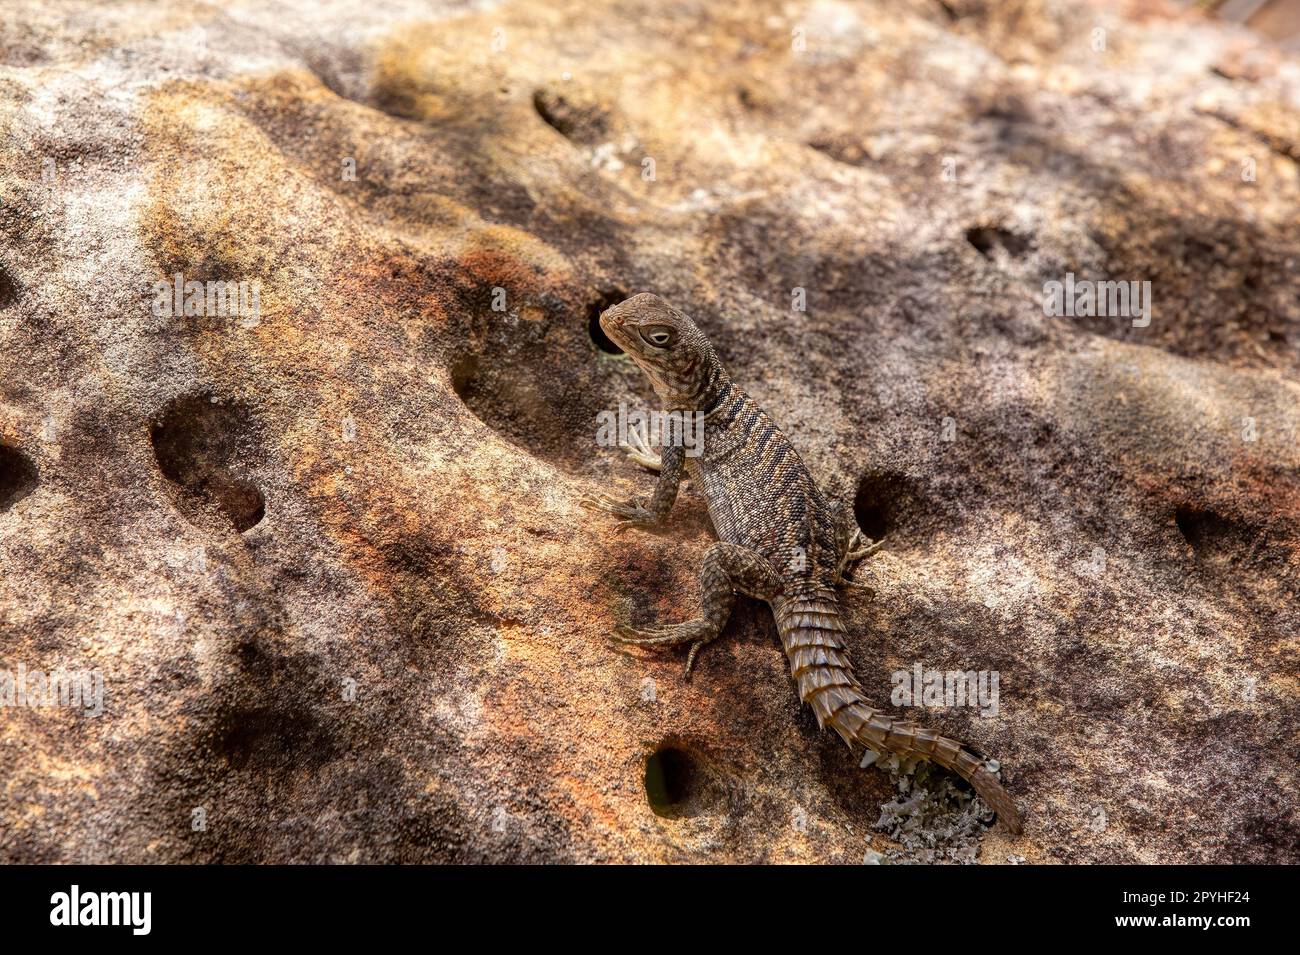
x: 328, y: 557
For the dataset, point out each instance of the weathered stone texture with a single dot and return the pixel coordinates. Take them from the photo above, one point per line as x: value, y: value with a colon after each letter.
x: 373, y: 486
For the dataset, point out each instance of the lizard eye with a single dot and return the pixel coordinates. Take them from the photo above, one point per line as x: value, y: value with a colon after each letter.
x: 661, y: 336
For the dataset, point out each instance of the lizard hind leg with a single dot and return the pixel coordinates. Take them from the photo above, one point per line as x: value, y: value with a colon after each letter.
x: 633, y: 512
x: 860, y: 547
x: 727, y: 568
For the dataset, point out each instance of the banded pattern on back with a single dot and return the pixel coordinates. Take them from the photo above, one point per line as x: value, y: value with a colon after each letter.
x: 780, y: 538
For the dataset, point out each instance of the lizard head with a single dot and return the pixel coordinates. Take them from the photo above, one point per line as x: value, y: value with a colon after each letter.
x: 668, y: 347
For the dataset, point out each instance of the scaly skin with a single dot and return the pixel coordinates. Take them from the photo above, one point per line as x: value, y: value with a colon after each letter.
x: 780, y: 540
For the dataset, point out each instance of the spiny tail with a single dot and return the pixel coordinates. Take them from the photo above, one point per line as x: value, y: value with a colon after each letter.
x: 810, y: 631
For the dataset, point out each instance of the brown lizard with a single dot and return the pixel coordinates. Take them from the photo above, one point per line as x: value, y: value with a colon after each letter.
x: 780, y: 539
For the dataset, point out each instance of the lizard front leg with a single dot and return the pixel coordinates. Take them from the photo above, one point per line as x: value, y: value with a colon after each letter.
x: 727, y: 568
x: 641, y: 453
x: 635, y: 513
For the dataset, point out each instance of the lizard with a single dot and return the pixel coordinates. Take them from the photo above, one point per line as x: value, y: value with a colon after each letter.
x: 780, y: 539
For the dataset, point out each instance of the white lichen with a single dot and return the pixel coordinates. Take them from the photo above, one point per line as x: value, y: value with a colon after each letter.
x: 931, y: 819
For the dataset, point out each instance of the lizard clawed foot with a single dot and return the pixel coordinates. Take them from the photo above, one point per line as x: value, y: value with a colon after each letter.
x: 854, y: 554
x: 695, y: 632
x: 866, y: 550
x: 633, y: 512
x: 641, y: 453
x: 690, y: 657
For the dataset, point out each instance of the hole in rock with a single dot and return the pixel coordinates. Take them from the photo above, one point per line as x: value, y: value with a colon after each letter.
x: 267, y: 740
x: 987, y: 240
x: 847, y: 151
x: 877, y: 502
x: 585, y: 124
x: 17, y: 477
x: 1204, y: 530
x: 872, y: 520
x: 542, y: 400
x: 8, y: 288
x: 1198, y: 251
x: 202, y: 447
x: 462, y: 374
x: 545, y: 385
x: 676, y: 784
x: 598, y: 336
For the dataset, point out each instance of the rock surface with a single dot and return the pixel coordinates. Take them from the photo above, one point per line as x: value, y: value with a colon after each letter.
x: 328, y: 556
